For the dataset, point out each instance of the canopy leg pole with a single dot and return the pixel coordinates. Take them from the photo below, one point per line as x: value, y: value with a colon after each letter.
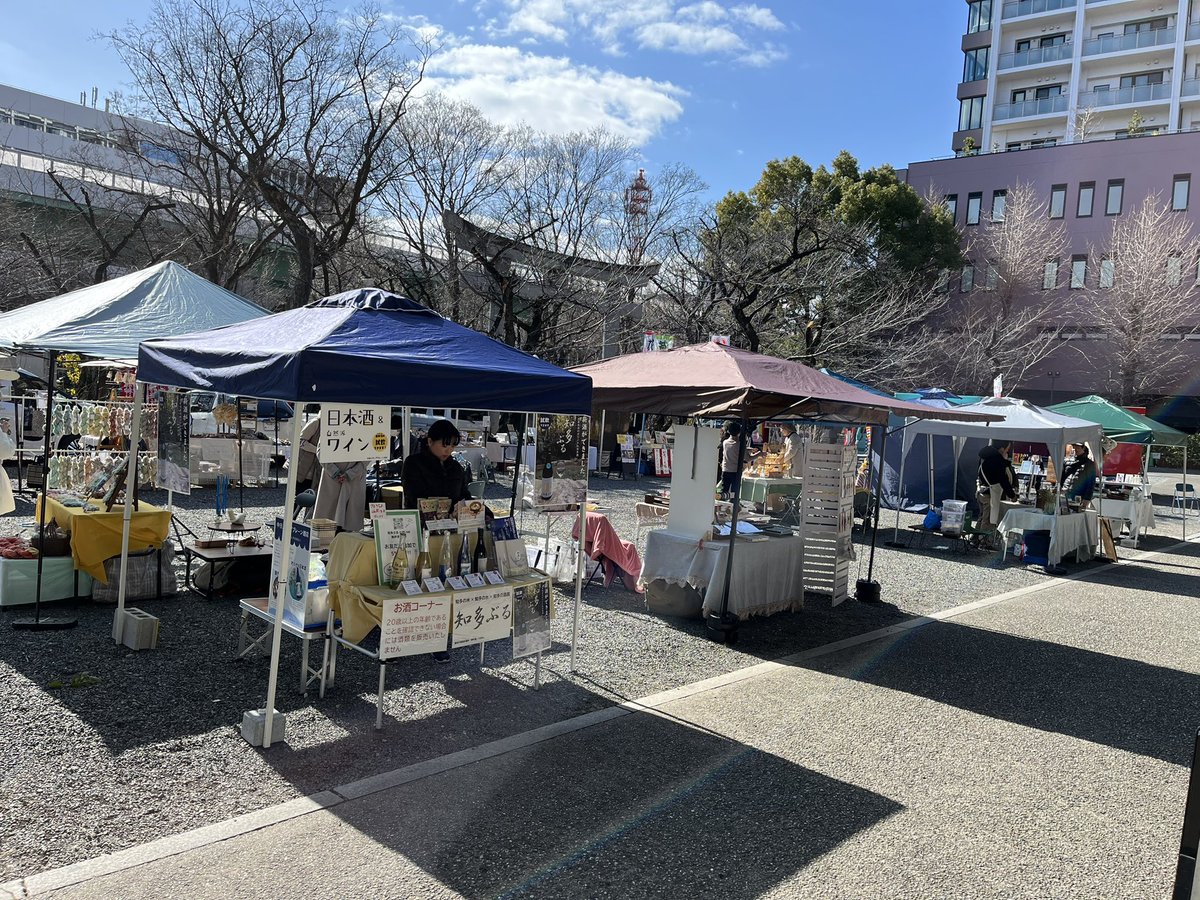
x: 1185, y: 498
x: 279, y: 588
x: 237, y: 403
x: 135, y: 426
x: 723, y: 626
x: 600, y: 464
x: 579, y: 567
x: 899, y: 491
x: 37, y: 623
x: 875, y: 529
x: 512, y: 505
x: 929, y: 454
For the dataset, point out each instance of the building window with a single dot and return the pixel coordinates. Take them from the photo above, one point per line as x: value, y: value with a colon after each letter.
x: 975, y: 64
x: 1087, y: 195
x: 966, y: 282
x: 1050, y: 275
x: 1141, y: 79
x: 1058, y: 201
x: 951, y: 202
x: 1108, y: 271
x: 974, y: 203
x: 992, y: 278
x: 998, y: 198
x: 942, y: 285
x: 970, y: 113
x: 979, y: 16
x: 1116, y: 192
x: 1078, y: 271
x: 1146, y: 25
x: 1180, y: 188
x: 1174, y: 271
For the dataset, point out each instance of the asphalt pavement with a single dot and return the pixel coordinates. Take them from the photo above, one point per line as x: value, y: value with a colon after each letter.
x: 1034, y: 744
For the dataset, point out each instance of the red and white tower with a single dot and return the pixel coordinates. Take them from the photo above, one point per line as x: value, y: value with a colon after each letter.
x: 637, y: 215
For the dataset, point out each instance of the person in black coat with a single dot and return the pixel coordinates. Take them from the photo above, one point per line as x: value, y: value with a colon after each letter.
x: 996, y: 481
x: 432, y: 471
x: 1080, y: 474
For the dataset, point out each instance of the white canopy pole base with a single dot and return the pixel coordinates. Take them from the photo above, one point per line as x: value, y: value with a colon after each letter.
x: 135, y: 427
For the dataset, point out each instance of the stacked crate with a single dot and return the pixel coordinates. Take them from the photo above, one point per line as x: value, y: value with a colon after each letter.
x: 827, y: 517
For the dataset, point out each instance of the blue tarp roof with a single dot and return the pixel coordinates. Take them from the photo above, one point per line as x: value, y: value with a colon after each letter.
x: 364, y: 346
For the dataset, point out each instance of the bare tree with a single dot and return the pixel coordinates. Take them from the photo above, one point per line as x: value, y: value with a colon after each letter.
x: 305, y: 99
x: 1145, y: 299
x: 1004, y: 328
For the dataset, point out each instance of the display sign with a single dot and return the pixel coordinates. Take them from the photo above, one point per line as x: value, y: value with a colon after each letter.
x: 482, y: 615
x: 296, y: 590
x: 399, y: 528
x: 413, y: 625
x: 531, y: 618
x: 722, y: 339
x: 697, y: 450
x: 560, y: 461
x: 653, y: 341
x: 174, y: 425
x: 353, y: 432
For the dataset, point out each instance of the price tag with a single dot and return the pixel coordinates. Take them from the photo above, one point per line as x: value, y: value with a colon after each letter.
x: 493, y: 577
x: 378, y: 510
x: 457, y: 582
x: 474, y: 579
x: 434, y: 585
x: 411, y: 586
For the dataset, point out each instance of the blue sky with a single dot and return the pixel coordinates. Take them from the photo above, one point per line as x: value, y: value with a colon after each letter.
x: 721, y: 85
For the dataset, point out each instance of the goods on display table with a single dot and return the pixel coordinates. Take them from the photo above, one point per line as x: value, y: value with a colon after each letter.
x: 96, y: 532
x: 1076, y: 533
x: 18, y: 573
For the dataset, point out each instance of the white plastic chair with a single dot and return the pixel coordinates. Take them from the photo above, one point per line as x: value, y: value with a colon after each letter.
x: 1185, y: 494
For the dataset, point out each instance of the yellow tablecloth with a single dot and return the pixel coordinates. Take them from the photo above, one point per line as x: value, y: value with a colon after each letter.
x: 96, y: 536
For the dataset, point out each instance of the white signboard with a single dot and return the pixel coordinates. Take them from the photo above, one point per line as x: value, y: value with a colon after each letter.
x: 531, y: 618
x: 400, y: 527
x: 351, y: 432
x: 413, y: 625
x: 482, y: 615
x: 560, y: 476
x: 693, y: 480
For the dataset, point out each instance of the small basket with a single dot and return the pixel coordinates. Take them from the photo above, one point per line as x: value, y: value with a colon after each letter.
x: 55, y: 545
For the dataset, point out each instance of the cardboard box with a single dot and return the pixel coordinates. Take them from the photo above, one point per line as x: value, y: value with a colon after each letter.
x: 18, y: 580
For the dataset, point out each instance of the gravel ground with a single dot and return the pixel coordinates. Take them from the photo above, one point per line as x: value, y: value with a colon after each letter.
x: 147, y: 744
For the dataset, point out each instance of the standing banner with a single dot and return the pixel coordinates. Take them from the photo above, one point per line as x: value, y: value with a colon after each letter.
x: 351, y: 432
x: 560, y: 462
x: 531, y: 618
x: 295, y: 601
x: 482, y: 615
x: 414, y: 625
x: 174, y: 425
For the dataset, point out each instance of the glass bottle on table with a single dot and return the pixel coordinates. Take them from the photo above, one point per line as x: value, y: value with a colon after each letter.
x: 424, y: 563
x: 398, y: 570
x: 464, y: 555
x: 445, y: 561
x: 481, y: 563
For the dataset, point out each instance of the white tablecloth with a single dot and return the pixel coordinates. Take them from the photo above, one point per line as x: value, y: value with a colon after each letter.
x: 1138, y: 513
x: 1073, y: 533
x: 768, y: 575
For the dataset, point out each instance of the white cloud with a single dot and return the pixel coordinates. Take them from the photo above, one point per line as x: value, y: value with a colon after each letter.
x: 703, y: 27
x: 552, y: 93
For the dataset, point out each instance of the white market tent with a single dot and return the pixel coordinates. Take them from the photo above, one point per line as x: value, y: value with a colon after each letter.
x: 1022, y: 422
x: 110, y: 319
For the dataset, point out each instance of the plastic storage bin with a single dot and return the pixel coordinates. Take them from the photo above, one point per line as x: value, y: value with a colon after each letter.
x: 953, y: 515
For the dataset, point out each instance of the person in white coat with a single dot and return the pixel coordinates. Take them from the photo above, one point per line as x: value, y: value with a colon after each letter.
x: 8, y: 449
x: 342, y: 494
x: 791, y: 450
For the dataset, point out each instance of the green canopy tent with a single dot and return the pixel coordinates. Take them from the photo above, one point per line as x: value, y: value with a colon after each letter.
x: 1127, y: 427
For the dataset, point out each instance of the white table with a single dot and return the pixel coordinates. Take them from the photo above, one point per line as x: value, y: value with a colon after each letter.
x: 1076, y: 533
x: 1139, y: 514
x: 768, y: 575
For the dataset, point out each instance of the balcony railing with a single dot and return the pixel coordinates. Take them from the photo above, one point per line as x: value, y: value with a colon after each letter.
x: 1116, y: 42
x: 1193, y: 31
x: 1029, y: 7
x: 1023, y: 108
x: 1190, y: 88
x: 1035, y: 55
x: 1141, y: 93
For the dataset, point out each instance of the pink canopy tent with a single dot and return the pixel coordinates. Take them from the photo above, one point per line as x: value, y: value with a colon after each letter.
x: 716, y: 381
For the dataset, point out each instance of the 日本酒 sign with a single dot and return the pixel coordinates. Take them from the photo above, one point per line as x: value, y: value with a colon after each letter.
x: 351, y: 432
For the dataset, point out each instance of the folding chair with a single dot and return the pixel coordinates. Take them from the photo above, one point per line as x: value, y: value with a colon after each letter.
x: 1184, y: 494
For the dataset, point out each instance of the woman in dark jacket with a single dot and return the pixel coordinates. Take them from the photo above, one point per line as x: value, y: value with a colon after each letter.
x: 996, y: 481
x: 1079, y: 475
x: 432, y: 472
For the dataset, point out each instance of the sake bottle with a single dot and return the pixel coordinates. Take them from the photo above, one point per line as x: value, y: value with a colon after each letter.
x: 464, y: 555
x: 446, y: 561
x: 481, y: 554
x: 547, y: 486
x: 424, y: 563
x: 398, y: 571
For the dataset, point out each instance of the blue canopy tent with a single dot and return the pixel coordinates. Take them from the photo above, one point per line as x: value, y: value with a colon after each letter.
x: 366, y: 346
x: 929, y: 469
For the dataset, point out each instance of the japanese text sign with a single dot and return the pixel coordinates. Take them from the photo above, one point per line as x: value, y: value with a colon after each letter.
x: 351, y: 432
x: 482, y: 615
x: 413, y: 625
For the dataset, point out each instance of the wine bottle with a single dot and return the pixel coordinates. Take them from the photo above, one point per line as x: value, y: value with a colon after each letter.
x: 481, y: 555
x: 424, y: 563
x: 464, y: 555
x: 398, y: 571
x: 445, y: 561
x: 547, y: 491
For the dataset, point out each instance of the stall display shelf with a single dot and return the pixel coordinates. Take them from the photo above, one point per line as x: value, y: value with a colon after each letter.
x: 826, y: 517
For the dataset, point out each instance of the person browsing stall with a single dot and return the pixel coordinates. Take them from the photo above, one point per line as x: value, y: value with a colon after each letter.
x: 432, y: 471
x: 997, y: 481
x: 1079, y: 475
x: 729, y: 458
x: 791, y: 449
